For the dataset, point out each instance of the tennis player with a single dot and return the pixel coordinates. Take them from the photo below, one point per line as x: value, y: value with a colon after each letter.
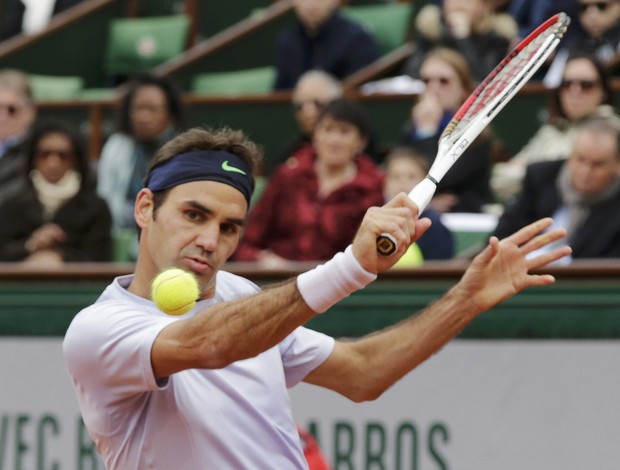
x: 208, y: 389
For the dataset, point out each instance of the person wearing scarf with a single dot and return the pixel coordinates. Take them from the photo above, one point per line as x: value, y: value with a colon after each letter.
x: 56, y: 215
x: 582, y: 194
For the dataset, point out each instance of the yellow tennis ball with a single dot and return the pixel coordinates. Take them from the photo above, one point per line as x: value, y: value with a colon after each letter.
x: 411, y: 259
x: 175, y: 291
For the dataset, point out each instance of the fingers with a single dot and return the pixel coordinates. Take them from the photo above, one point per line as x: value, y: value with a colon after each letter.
x: 529, y: 231
x: 542, y: 240
x: 547, y: 258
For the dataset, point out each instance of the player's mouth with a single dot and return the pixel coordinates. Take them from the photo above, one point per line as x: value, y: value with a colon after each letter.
x: 199, y: 265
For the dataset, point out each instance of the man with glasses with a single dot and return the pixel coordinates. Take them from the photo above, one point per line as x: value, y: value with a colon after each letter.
x: 581, y: 193
x: 314, y: 90
x: 17, y: 114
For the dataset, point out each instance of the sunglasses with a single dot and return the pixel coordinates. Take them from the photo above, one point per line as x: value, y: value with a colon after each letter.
x: 63, y: 154
x: 600, y: 6
x: 441, y: 80
x: 584, y: 85
x: 11, y: 109
x: 298, y: 105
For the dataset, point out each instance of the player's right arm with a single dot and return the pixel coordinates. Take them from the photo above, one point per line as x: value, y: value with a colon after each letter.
x: 240, y: 329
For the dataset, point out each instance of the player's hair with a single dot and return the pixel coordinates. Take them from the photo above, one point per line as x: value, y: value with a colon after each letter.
x: 225, y: 139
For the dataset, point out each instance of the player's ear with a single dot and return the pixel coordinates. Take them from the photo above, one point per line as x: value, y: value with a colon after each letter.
x: 143, y: 207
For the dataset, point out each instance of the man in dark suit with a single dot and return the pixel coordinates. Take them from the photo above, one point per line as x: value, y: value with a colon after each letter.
x: 321, y: 38
x: 581, y: 193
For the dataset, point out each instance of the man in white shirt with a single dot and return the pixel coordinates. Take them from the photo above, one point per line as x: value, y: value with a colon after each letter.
x: 208, y: 389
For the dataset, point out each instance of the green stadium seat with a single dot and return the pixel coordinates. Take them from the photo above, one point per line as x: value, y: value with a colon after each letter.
x: 253, y: 81
x: 139, y: 44
x: 389, y: 23
x: 53, y: 87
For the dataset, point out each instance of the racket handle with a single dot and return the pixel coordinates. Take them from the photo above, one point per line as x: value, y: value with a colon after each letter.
x: 421, y: 195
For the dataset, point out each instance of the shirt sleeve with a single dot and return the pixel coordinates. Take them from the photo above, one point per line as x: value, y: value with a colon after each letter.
x: 303, y: 351
x: 108, y: 350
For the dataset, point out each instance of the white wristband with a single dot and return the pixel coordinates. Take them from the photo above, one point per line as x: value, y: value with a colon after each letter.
x: 329, y: 283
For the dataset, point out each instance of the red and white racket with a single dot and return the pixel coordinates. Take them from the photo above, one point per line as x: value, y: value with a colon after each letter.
x: 488, y: 99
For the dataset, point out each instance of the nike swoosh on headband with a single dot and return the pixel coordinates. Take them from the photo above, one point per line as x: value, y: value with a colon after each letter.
x: 227, y: 167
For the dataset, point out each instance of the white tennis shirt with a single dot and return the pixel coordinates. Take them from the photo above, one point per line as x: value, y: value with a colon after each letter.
x: 238, y: 417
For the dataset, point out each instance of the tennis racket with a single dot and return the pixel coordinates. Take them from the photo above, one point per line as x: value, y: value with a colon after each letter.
x: 488, y: 99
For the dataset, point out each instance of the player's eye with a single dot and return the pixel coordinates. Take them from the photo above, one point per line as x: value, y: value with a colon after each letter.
x: 194, y: 215
x: 229, y: 228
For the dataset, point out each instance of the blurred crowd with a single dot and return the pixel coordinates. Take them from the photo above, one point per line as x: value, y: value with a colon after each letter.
x: 58, y: 204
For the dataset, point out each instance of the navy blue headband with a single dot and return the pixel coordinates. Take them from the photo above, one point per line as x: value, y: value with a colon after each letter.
x: 201, y: 165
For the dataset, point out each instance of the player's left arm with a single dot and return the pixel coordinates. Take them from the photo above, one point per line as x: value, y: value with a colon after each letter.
x: 363, y: 369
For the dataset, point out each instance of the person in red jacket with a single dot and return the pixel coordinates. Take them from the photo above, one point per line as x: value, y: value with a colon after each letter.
x: 315, y: 201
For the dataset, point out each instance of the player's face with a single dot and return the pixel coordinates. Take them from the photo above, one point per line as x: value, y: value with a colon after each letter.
x: 149, y: 113
x: 442, y: 81
x: 401, y: 175
x: 581, y: 90
x: 597, y: 16
x: 54, y: 156
x: 16, y: 114
x: 595, y: 162
x: 337, y: 143
x: 197, y: 228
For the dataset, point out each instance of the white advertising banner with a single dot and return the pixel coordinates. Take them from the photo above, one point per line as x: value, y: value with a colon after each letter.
x: 477, y: 405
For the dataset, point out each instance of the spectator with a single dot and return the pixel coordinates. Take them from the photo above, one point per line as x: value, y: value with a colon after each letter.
x: 17, y: 115
x: 314, y: 90
x: 56, y: 216
x: 321, y: 38
x: 465, y: 188
x: 29, y: 17
x: 581, y: 193
x: 404, y: 168
x: 528, y: 14
x: 597, y: 32
x: 467, y: 26
x: 151, y: 113
x: 585, y: 90
x: 315, y: 201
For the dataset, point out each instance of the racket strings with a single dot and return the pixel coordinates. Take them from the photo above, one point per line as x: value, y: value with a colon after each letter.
x: 520, y: 60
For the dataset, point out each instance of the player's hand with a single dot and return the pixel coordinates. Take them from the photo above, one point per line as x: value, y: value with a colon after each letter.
x: 399, y: 218
x: 502, y: 269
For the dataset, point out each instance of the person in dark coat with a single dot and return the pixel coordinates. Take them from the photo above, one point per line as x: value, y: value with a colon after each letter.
x: 321, y: 38
x: 582, y: 193
x: 56, y: 216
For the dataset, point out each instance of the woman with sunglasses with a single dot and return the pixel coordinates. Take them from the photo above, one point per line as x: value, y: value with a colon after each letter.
x: 448, y: 82
x: 584, y: 91
x: 56, y: 216
x: 596, y: 30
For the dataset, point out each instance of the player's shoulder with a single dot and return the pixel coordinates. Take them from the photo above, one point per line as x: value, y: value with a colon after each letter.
x: 231, y: 286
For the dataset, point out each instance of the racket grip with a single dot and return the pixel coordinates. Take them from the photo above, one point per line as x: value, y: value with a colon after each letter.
x: 421, y: 195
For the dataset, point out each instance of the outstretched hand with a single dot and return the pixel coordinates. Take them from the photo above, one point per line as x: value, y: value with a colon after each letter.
x: 502, y: 270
